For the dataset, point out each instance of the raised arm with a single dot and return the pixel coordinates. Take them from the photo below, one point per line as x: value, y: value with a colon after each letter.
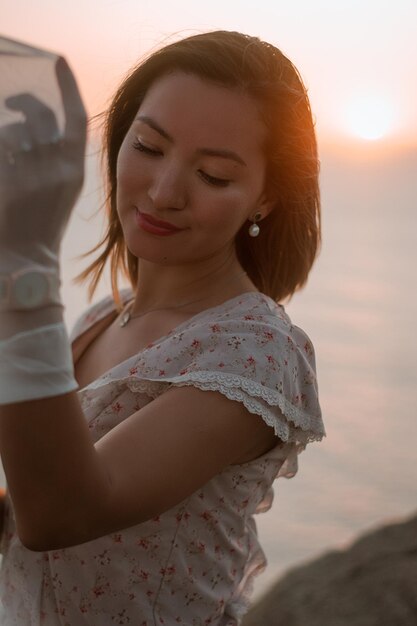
x: 41, y: 175
x: 66, y: 491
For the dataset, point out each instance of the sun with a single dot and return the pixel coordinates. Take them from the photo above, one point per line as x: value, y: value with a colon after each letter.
x: 369, y: 116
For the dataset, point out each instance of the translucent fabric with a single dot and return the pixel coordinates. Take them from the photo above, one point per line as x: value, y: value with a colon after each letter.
x: 42, y: 143
x: 27, y: 70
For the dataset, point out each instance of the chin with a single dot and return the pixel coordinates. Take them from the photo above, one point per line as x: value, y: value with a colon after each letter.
x: 158, y: 257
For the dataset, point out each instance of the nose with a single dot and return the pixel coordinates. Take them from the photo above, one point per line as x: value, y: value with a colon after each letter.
x: 168, y: 188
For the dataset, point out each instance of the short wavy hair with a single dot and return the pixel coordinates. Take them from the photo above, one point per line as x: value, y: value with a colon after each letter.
x: 279, y: 260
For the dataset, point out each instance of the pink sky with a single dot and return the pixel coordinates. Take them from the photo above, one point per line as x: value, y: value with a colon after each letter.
x: 345, y: 51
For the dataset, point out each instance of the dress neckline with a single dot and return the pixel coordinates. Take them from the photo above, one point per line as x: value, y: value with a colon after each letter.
x: 176, y: 329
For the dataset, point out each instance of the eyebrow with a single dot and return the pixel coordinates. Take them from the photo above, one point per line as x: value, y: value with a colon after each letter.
x: 150, y: 122
x: 224, y: 154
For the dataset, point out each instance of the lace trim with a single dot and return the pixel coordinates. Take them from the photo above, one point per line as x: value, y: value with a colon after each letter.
x: 152, y: 388
x: 304, y: 428
x: 290, y: 433
x: 87, y: 396
x: 292, y: 425
x: 281, y: 427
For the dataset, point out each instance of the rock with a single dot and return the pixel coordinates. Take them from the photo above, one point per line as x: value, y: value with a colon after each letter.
x: 373, y: 583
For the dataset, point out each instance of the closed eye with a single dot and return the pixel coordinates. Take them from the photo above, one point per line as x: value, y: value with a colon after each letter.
x: 213, y: 180
x: 138, y: 145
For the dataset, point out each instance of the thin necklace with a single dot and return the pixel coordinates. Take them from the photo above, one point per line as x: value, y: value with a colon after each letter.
x: 127, y: 316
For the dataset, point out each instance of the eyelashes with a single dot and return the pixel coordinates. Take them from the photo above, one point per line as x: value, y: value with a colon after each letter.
x: 138, y: 145
x: 211, y: 180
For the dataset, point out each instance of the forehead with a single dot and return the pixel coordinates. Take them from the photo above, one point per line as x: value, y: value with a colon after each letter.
x: 195, y: 109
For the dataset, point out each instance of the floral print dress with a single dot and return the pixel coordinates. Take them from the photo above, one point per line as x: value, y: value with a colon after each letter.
x: 194, y: 564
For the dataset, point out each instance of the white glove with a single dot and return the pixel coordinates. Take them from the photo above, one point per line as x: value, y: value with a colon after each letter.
x: 41, y: 175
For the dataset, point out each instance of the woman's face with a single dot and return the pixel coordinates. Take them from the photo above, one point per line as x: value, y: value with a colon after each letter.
x: 193, y: 158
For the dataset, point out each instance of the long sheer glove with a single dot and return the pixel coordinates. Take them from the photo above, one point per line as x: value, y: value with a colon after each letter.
x: 41, y: 175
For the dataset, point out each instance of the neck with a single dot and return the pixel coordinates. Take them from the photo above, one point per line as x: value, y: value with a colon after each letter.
x: 170, y: 287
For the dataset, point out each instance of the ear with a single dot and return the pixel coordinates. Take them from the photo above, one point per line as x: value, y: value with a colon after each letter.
x: 265, y: 205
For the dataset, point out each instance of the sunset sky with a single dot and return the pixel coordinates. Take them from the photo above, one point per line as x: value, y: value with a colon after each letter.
x: 358, y: 58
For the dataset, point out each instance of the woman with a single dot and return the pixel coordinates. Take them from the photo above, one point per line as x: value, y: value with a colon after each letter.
x: 133, y: 497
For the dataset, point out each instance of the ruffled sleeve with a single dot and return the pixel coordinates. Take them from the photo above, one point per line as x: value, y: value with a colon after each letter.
x: 255, y: 357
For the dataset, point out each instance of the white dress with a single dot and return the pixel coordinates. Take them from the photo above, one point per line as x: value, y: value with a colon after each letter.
x: 194, y: 564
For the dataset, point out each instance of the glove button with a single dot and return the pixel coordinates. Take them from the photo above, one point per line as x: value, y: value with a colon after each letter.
x: 30, y: 290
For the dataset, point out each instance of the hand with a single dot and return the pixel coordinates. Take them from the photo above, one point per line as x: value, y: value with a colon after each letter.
x: 41, y: 175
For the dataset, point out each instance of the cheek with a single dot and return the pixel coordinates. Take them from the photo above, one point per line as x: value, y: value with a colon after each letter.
x: 225, y: 212
x: 131, y: 180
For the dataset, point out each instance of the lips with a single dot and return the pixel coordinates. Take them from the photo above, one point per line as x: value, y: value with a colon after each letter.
x: 155, y: 227
x: 159, y: 223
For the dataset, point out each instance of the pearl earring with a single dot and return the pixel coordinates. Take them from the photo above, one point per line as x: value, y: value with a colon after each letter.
x: 254, y: 230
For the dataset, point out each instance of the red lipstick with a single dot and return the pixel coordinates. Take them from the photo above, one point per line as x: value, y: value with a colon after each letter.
x: 154, y: 226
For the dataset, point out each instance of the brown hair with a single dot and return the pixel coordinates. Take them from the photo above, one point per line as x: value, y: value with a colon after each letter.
x: 279, y: 260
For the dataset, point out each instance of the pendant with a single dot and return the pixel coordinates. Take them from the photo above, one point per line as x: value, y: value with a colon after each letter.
x: 125, y: 319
